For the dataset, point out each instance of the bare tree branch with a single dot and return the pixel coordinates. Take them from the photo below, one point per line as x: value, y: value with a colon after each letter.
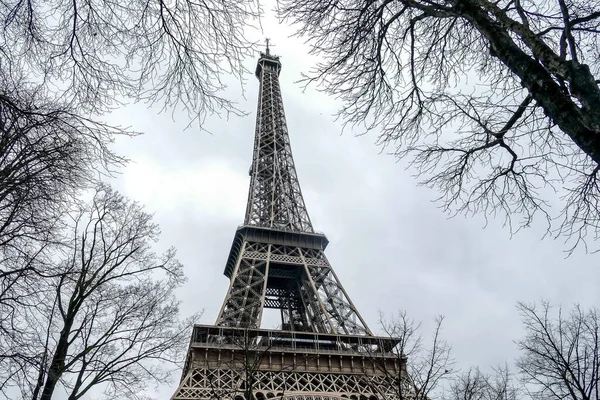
x: 424, y: 368
x: 495, y: 104
x: 561, y: 358
x: 109, y: 316
x: 94, y: 54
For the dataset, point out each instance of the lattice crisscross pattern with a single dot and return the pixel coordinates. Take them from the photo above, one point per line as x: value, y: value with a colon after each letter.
x: 275, y: 199
x: 314, y: 298
x: 227, y: 384
x: 278, y: 261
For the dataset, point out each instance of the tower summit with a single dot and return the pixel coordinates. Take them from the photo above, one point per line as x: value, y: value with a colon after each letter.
x: 277, y: 261
x: 275, y: 199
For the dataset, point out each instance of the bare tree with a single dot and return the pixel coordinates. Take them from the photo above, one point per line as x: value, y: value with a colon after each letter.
x: 495, y: 103
x: 108, y: 318
x: 94, y: 54
x: 63, y: 64
x: 561, y: 352
x: 426, y: 366
x: 470, y: 385
x: 477, y: 385
x: 48, y: 153
x: 560, y: 359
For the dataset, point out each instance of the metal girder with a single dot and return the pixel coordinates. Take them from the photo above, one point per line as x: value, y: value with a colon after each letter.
x: 227, y: 363
x: 203, y: 383
x: 298, y: 280
x: 275, y: 199
x: 278, y: 261
x: 263, y: 272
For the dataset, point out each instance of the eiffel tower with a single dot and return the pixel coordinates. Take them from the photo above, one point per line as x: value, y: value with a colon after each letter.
x: 324, y: 349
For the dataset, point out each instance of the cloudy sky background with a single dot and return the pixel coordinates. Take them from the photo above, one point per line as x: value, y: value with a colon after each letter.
x: 390, y: 245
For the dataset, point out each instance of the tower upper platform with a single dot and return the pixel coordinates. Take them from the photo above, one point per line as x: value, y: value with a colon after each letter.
x: 266, y: 59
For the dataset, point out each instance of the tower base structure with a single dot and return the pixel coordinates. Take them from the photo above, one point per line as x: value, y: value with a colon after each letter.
x: 226, y: 363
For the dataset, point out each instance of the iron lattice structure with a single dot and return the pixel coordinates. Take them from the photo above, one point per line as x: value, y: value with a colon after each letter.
x: 275, y: 199
x: 324, y: 349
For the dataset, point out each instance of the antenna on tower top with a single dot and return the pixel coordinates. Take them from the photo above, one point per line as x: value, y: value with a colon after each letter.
x: 268, y: 50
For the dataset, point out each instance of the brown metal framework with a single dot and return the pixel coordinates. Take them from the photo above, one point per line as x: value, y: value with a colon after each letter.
x: 224, y: 363
x: 287, y: 271
x: 275, y: 199
x: 324, y: 349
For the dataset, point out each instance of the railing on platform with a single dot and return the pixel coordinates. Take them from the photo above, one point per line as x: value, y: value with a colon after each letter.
x: 210, y: 336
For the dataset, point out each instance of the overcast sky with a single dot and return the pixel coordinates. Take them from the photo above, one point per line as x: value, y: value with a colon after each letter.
x: 390, y: 245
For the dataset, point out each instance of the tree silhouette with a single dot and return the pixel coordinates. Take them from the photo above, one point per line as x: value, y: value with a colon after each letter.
x: 107, y: 316
x: 495, y: 104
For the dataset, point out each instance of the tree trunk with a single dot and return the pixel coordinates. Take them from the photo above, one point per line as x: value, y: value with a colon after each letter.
x: 58, y: 360
x: 581, y: 125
